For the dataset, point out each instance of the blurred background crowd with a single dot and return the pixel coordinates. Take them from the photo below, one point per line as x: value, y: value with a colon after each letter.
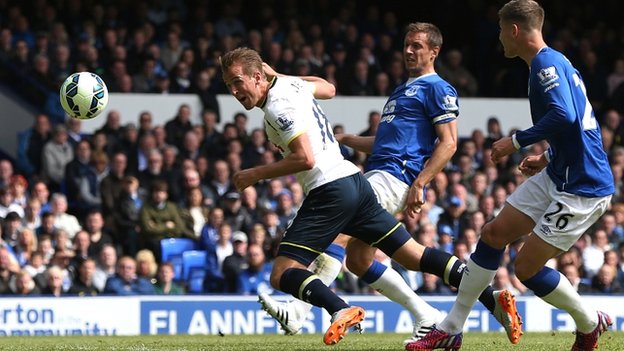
x: 94, y: 213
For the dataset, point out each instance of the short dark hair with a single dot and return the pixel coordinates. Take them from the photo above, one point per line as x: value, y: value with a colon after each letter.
x: 160, y: 185
x: 524, y: 12
x: 434, y: 36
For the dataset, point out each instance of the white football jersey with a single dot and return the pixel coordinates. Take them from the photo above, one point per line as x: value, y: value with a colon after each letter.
x: 291, y: 110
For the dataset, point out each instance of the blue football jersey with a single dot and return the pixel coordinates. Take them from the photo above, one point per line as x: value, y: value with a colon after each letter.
x: 563, y: 116
x: 406, y: 136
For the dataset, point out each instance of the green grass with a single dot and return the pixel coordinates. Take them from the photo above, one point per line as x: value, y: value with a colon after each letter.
x: 473, y: 342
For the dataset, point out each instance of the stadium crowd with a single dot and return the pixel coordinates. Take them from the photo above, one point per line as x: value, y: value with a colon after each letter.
x: 86, y: 213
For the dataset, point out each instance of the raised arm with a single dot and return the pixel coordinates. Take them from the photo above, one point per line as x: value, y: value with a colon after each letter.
x: 322, y: 89
x: 357, y: 142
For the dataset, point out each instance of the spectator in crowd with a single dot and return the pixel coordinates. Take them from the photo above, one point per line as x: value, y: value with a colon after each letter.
x: 83, y: 284
x: 221, y: 182
x: 604, y: 282
x: 249, y: 201
x: 105, y: 268
x: 75, y: 170
x: 164, y: 284
x: 145, y: 80
x: 159, y: 219
x: 6, y: 172
x: 7, y: 205
x: 17, y: 186
x: 62, y: 219
x: 126, y: 214
x: 56, y: 154
x: 145, y: 123
x: 285, y: 208
x: 458, y: 75
x: 202, y: 88
x: 54, y: 282
x: 191, y: 179
x: 593, y: 256
x: 195, y: 213
x: 7, y: 270
x: 90, y: 197
x: 81, y: 245
x: 235, y: 263
x: 41, y: 192
x: 177, y: 127
x: 111, y: 186
x: 31, y: 143
x: 454, y: 216
x: 74, y: 131
x: 255, y: 279
x: 432, y: 285
x: 98, y: 234
x: 111, y: 129
x: 11, y: 227
x: 572, y: 273
x: 616, y: 77
x: 32, y: 218
x: 502, y: 280
x: 25, y: 246
x: 234, y: 213
x: 24, y: 285
x: 125, y: 281
x: 209, y: 234
x: 154, y: 171
x: 35, y: 265
x: 146, y: 265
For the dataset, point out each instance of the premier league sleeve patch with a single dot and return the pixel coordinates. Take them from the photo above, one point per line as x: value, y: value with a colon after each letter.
x: 547, y: 76
x: 450, y: 103
x: 284, y: 123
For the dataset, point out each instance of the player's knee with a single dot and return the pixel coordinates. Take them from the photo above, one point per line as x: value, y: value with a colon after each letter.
x: 490, y: 237
x: 357, y: 265
x: 275, y: 280
x: 524, y: 270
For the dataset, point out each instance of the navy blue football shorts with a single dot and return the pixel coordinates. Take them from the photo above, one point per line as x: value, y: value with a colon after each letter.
x: 347, y: 205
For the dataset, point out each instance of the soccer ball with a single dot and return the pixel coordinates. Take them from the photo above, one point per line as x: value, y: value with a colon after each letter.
x: 84, y: 95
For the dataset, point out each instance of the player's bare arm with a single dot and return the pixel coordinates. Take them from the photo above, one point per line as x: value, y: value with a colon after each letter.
x: 533, y: 164
x: 442, y: 153
x: 300, y: 159
x: 357, y: 142
x: 502, y: 148
x: 323, y: 89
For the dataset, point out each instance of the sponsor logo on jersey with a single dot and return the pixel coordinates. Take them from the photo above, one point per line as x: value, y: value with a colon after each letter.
x: 284, y: 123
x: 450, y: 103
x: 413, y: 90
x: 547, y: 76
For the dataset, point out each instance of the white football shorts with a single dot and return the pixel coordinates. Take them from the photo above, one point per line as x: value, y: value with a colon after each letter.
x: 390, y: 191
x: 560, y: 218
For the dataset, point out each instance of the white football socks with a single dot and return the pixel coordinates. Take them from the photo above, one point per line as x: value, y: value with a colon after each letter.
x: 566, y: 298
x: 474, y: 281
x: 394, y: 287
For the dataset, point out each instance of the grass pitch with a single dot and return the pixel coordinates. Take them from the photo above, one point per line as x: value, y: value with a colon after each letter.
x: 611, y: 341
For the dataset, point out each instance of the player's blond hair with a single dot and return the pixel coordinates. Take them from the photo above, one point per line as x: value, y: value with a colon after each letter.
x: 527, y: 13
x: 249, y: 59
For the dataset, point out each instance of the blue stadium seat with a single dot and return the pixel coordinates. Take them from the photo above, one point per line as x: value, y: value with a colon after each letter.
x: 171, y: 251
x: 194, y: 269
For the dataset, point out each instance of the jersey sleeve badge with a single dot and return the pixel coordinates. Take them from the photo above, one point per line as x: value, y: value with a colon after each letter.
x: 450, y: 103
x: 284, y: 123
x: 547, y: 76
